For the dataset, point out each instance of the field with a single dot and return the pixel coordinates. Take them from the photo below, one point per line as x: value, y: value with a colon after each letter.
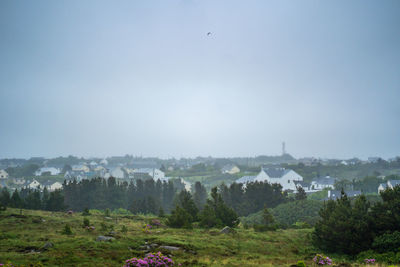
x: 23, y: 235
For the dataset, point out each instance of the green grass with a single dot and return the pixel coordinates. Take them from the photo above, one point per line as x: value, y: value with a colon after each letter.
x: 20, y: 234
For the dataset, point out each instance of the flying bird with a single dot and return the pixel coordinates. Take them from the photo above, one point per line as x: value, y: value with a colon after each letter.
x: 209, y: 33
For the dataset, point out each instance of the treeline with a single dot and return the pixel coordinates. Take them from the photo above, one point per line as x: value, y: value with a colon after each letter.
x: 353, y: 227
x: 146, y: 196
x: 33, y: 199
x: 253, y: 197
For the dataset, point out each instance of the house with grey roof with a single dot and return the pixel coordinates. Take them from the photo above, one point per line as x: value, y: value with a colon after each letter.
x: 51, y: 185
x: 47, y: 170
x: 287, y: 178
x: 154, y: 173
x: 245, y: 179
x: 335, y: 194
x: 321, y: 183
x: 389, y: 184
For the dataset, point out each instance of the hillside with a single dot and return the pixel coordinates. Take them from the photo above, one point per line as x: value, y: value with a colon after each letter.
x: 23, y: 235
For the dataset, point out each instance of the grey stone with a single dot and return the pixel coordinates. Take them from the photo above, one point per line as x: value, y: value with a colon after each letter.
x: 226, y: 230
x: 171, y: 248
x: 102, y: 238
x: 48, y: 245
x: 112, y: 233
x: 154, y: 245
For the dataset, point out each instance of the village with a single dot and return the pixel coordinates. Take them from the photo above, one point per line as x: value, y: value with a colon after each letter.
x: 52, y: 175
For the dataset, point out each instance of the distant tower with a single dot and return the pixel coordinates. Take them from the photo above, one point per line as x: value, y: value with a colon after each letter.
x: 283, y: 148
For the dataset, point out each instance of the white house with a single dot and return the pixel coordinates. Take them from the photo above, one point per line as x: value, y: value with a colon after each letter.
x: 389, y: 184
x: 80, y: 168
x: 156, y: 174
x: 285, y: 177
x: 51, y: 170
x: 118, y: 172
x: 32, y: 184
x: 3, y: 174
x: 230, y: 169
x: 245, y: 179
x: 52, y: 186
x: 382, y: 187
x: 321, y: 183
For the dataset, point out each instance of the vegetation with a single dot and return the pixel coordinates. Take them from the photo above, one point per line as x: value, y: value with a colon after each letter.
x: 359, y: 228
x: 24, y: 235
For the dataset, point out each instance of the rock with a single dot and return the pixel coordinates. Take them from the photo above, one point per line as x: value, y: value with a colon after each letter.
x: 226, y: 230
x: 171, y: 248
x: 108, y: 218
x: 48, y: 245
x: 102, y: 238
x: 154, y: 245
x: 112, y: 233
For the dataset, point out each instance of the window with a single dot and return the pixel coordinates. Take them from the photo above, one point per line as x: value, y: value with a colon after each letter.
x: 288, y: 181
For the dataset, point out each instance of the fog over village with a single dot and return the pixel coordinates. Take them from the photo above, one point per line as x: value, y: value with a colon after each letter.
x: 199, y: 133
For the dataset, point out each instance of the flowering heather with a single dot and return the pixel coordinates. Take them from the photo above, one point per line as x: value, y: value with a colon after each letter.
x: 322, y: 260
x: 370, y: 261
x: 155, y: 222
x: 147, y: 228
x: 151, y: 260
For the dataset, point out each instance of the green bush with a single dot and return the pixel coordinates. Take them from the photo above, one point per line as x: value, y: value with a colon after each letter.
x: 86, y: 222
x: 264, y: 228
x: 179, y: 218
x: 86, y: 212
x: 67, y: 230
x: 301, y: 264
x: 387, y: 242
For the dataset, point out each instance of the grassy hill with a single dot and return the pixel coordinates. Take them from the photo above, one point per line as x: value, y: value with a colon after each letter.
x: 23, y: 235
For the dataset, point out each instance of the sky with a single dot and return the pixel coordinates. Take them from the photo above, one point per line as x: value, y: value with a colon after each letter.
x: 102, y: 78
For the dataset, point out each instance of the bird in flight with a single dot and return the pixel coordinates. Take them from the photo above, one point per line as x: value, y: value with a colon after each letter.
x: 209, y: 33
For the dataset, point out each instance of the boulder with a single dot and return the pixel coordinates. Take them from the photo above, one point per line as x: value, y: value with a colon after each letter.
x: 170, y: 248
x: 47, y: 245
x: 112, y: 233
x: 102, y: 238
x: 226, y: 230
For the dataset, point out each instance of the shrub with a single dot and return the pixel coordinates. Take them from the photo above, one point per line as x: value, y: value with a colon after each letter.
x: 179, y: 218
x: 151, y: 260
x: 264, y: 228
x: 86, y: 222
x: 124, y: 229
x: 67, y: 230
x: 86, y: 212
x: 107, y: 213
x: 301, y: 264
x: 387, y: 242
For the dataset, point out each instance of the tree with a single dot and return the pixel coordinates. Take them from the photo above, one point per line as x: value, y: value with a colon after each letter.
x: 180, y: 218
x: 301, y: 194
x: 184, y: 200
x: 5, y: 197
x: 199, y: 195
x: 216, y: 213
x: 16, y: 201
x: 344, y: 228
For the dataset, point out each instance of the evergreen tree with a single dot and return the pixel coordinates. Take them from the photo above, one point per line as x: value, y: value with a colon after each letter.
x: 216, y: 211
x: 343, y: 228
x: 16, y: 201
x: 5, y: 197
x: 199, y: 195
x: 301, y: 194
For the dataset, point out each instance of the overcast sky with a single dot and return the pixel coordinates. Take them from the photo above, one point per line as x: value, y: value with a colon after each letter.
x: 102, y: 78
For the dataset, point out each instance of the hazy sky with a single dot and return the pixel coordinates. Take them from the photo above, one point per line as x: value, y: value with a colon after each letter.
x: 102, y: 78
